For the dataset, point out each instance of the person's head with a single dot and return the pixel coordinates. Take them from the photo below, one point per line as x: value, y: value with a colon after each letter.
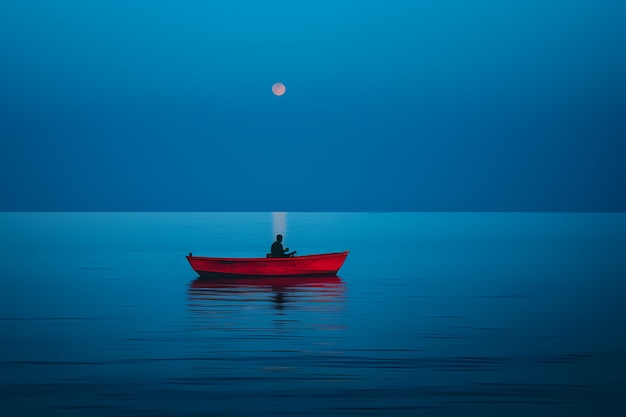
x: 279, y: 238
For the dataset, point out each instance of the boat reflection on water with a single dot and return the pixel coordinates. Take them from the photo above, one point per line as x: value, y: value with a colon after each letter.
x: 284, y: 292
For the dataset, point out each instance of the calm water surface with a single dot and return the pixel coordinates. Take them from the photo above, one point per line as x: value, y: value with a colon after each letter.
x: 431, y: 315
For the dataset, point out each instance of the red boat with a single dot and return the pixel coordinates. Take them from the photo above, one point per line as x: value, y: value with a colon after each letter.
x: 324, y: 264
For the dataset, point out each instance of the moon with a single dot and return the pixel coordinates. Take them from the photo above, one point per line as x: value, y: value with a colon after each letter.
x: 279, y: 89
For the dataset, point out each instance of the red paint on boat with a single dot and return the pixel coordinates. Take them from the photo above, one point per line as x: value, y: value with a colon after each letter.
x: 324, y: 264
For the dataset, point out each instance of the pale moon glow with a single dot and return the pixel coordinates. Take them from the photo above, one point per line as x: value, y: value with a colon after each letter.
x: 279, y: 224
x: 279, y: 89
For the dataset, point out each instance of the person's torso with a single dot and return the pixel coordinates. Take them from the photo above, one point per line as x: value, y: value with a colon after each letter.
x: 277, y: 249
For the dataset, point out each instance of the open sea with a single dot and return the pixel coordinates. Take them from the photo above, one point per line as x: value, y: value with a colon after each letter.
x: 432, y: 314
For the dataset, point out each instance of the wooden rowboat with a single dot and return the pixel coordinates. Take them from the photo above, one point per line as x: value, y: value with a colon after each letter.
x: 323, y: 264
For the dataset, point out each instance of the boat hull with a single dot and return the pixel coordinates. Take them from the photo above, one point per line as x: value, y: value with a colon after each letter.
x: 324, y: 264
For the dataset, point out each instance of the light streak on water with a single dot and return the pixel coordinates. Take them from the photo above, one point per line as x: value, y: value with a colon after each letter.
x: 279, y: 224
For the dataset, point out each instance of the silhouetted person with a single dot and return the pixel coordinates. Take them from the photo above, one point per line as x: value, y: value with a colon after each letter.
x: 277, y: 249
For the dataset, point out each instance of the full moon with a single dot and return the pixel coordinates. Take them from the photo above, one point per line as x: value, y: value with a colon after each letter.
x: 278, y: 89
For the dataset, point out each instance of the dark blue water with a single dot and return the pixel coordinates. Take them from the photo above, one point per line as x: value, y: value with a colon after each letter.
x: 432, y: 315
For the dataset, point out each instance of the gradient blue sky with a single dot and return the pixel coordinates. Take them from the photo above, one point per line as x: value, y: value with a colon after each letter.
x: 390, y: 105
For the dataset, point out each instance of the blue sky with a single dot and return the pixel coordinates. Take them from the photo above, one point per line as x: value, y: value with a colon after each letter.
x: 390, y: 106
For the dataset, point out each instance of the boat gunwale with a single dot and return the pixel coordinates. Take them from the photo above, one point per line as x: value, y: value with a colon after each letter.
x: 304, y: 257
